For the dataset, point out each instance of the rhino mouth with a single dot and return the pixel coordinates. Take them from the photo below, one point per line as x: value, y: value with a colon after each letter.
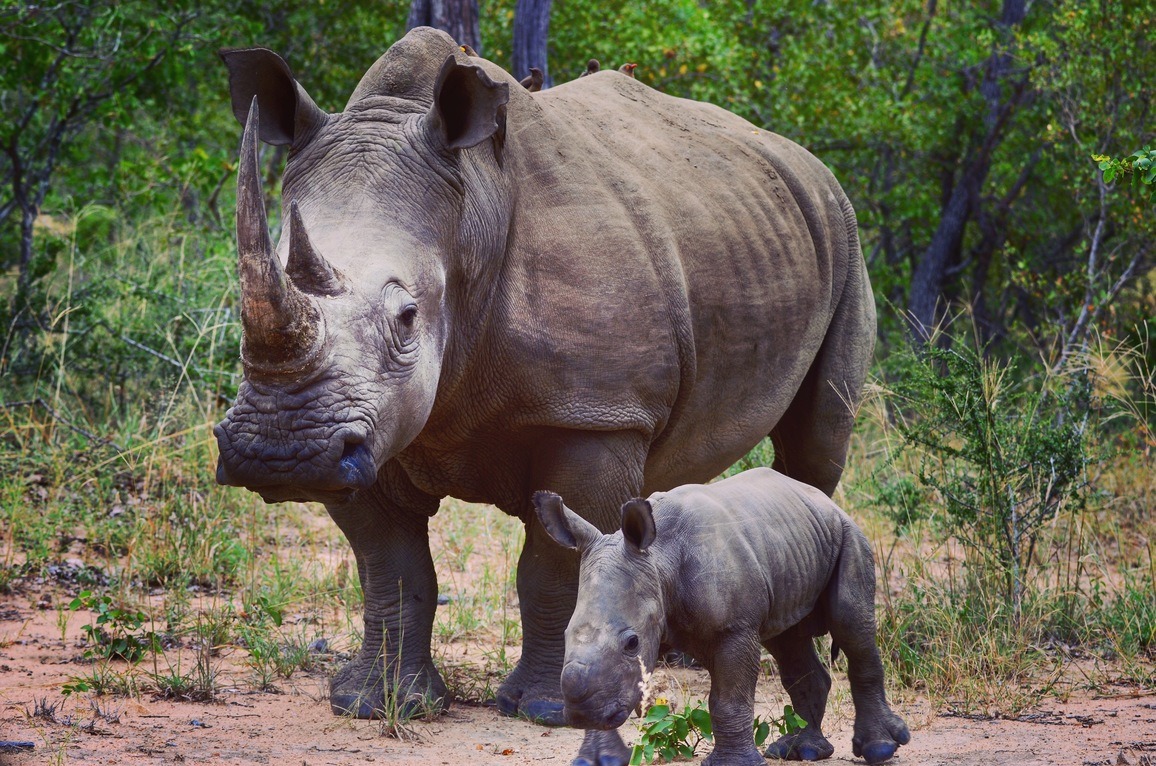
x: 342, y: 466
x: 609, y: 716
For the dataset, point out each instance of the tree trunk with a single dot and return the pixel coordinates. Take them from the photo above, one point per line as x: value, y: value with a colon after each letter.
x: 927, y: 282
x: 531, y: 31
x: 457, y: 18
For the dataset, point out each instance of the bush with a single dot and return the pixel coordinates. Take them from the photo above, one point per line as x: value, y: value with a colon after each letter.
x: 999, y: 445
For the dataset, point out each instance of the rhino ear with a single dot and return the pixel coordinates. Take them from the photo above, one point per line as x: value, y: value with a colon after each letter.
x: 638, y: 524
x: 288, y: 114
x: 468, y: 107
x: 565, y: 527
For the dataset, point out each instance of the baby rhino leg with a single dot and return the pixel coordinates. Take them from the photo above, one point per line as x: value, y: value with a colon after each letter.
x: 807, y: 682
x: 602, y: 748
x: 851, y: 619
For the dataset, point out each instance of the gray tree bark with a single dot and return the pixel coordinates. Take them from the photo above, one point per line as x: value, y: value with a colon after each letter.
x: 531, y: 32
x: 931, y: 271
x: 457, y: 18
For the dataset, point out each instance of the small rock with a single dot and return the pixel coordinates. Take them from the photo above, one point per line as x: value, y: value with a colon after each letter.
x: 320, y: 646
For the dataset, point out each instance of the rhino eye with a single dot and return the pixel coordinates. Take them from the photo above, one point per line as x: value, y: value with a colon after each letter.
x: 630, y: 643
x: 407, y: 316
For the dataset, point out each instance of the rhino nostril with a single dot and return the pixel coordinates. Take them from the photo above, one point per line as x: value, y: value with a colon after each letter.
x: 356, y: 467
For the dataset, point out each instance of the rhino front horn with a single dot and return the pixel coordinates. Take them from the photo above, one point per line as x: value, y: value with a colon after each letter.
x: 279, y: 322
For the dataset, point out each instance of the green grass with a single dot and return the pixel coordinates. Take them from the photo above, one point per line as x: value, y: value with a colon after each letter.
x: 115, y: 471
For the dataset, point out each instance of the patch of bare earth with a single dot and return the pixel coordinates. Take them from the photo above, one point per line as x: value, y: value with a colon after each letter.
x: 475, y: 556
x: 295, y: 727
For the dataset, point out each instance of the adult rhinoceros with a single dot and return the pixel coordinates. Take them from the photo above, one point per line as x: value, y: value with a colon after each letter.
x: 480, y: 292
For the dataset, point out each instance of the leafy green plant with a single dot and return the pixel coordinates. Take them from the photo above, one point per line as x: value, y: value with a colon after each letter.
x: 1139, y: 167
x: 117, y: 632
x: 1001, y: 450
x: 789, y: 723
x: 668, y: 734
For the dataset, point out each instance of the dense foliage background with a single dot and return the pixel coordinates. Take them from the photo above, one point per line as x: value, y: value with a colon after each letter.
x: 964, y: 133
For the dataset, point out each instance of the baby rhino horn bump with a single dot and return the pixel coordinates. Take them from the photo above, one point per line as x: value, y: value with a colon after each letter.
x: 306, y: 267
x: 279, y: 323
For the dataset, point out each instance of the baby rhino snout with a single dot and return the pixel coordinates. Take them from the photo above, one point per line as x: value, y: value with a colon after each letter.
x: 575, y: 682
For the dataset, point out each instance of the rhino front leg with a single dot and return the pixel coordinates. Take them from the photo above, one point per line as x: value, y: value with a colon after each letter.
x: 393, y: 673
x: 596, y: 473
x: 734, y: 671
x: 602, y: 748
x: 807, y: 683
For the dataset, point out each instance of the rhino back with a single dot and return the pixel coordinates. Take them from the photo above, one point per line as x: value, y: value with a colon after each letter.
x: 756, y: 550
x: 659, y: 245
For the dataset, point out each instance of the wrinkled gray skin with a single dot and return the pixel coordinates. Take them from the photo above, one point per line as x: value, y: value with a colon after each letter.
x: 716, y: 571
x: 479, y: 291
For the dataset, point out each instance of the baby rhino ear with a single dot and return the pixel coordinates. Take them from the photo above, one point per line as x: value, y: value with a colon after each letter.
x: 565, y: 527
x: 638, y: 524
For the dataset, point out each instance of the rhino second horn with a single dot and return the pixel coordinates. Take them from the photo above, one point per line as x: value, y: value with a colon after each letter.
x: 306, y: 267
x: 279, y: 322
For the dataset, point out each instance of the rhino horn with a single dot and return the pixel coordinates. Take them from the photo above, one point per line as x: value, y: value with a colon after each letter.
x: 279, y: 322
x: 307, y: 268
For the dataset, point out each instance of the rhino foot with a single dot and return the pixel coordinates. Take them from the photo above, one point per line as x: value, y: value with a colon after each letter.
x: 602, y: 748
x: 538, y: 702
x: 877, y: 744
x: 745, y: 757
x: 359, y: 689
x: 807, y: 745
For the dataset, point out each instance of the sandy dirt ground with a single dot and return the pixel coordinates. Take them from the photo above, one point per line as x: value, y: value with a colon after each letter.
x: 1115, y: 728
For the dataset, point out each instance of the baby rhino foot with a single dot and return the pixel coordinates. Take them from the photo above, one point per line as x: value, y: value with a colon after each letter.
x: 878, y: 744
x: 807, y: 745
x: 602, y: 748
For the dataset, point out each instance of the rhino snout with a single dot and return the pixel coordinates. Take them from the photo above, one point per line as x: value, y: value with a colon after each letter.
x: 342, y: 463
x: 575, y: 683
x: 584, y: 708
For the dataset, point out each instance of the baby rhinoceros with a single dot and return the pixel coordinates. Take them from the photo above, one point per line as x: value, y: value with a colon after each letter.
x: 716, y: 571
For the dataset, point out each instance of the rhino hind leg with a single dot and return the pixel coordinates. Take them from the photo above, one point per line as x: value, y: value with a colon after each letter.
x: 878, y: 731
x: 807, y: 683
x: 812, y: 436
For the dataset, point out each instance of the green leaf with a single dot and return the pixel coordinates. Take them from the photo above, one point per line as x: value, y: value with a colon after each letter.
x: 701, y: 719
x: 1109, y: 175
x: 656, y: 712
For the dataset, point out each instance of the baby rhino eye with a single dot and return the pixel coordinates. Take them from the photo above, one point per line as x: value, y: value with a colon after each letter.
x: 630, y: 643
x: 408, y: 315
